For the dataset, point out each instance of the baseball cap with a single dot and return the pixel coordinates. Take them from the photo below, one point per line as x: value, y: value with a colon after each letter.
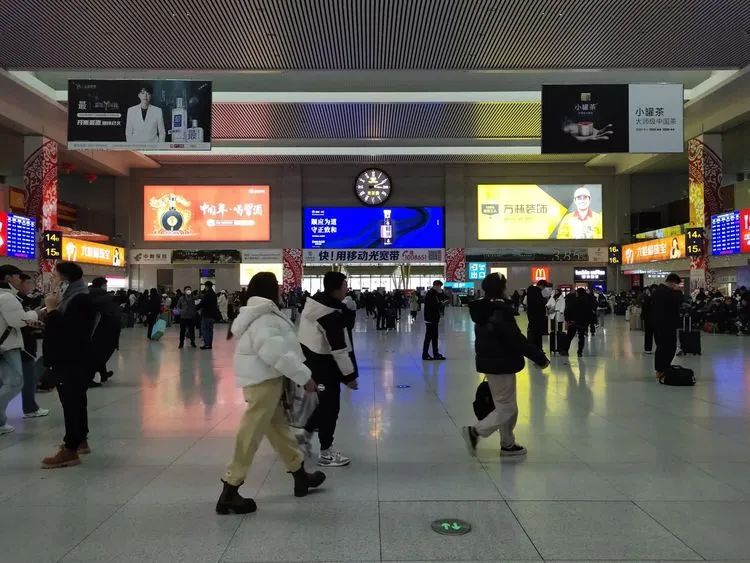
x: 9, y: 270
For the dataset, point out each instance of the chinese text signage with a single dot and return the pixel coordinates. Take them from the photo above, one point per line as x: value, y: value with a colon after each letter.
x: 477, y: 270
x: 656, y: 250
x: 612, y: 118
x: 730, y: 233
x: 366, y: 256
x: 206, y: 213
x: 17, y: 236
x: 368, y: 227
x: 85, y: 252
x: 539, y: 211
x: 139, y: 115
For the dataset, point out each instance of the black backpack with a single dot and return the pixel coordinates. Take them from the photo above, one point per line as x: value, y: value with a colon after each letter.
x: 483, y: 403
x: 678, y: 376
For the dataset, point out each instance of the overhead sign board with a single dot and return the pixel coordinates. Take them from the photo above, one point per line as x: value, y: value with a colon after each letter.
x: 612, y: 118
x: 85, y: 252
x: 477, y: 270
x: 367, y: 256
x: 657, y: 250
x: 590, y: 275
x: 139, y: 114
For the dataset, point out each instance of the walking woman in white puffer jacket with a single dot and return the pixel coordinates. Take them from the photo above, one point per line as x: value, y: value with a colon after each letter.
x: 267, y: 352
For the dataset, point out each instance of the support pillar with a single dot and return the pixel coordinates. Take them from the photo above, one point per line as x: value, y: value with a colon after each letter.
x: 705, y: 173
x: 292, y: 269
x: 40, y: 187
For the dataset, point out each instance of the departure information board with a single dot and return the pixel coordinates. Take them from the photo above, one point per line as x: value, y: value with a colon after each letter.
x: 725, y: 233
x: 21, y: 237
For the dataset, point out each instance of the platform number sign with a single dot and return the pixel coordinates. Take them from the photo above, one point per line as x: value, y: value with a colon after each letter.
x: 52, y: 245
x: 614, y: 254
x: 695, y: 241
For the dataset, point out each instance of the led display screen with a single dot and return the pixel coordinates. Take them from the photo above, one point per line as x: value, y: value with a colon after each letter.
x: 206, y: 213
x: 725, y: 233
x: 539, y: 211
x: 373, y: 227
x: 21, y: 241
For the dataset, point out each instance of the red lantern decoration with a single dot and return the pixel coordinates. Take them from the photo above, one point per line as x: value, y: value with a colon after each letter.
x: 67, y: 167
x: 91, y: 178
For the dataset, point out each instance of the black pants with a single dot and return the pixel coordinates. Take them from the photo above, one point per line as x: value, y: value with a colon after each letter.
x: 534, y: 336
x: 581, y: 331
x: 648, y: 336
x: 414, y: 315
x: 380, y: 319
x: 187, y: 326
x: 71, y: 388
x: 431, y: 337
x: 326, y: 414
x: 666, y: 348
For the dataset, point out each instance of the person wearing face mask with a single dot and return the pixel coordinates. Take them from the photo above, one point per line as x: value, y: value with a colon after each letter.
x: 223, y: 304
x: 186, y: 307
x: 434, y: 299
x: 536, y: 311
x: 70, y: 321
x: 12, y: 319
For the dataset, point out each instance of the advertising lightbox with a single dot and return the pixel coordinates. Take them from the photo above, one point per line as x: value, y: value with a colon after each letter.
x: 86, y: 252
x: 373, y: 227
x: 539, y: 211
x: 139, y: 114
x: 206, y: 213
x: 657, y: 250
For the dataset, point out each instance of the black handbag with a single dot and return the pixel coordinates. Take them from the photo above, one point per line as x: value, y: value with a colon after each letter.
x: 483, y: 403
x: 678, y: 376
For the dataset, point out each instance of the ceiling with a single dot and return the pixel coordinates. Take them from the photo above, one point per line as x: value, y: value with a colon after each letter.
x: 374, y: 34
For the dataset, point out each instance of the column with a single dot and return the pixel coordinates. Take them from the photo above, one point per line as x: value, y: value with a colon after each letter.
x: 40, y: 186
x: 705, y: 172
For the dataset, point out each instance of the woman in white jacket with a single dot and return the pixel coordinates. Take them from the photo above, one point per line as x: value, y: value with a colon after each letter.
x: 12, y: 319
x: 556, y: 315
x: 267, y: 351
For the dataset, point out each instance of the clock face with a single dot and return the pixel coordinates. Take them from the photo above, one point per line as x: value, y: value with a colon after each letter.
x: 373, y: 186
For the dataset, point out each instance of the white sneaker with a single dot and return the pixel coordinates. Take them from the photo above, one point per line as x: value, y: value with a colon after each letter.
x: 332, y: 458
x: 6, y: 429
x: 304, y: 440
x: 649, y: 352
x: 40, y: 412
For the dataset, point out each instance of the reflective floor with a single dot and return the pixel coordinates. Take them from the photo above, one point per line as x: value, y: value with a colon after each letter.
x: 618, y: 466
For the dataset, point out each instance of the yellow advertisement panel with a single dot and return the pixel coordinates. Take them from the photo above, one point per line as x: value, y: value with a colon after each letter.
x: 539, y: 211
x: 657, y: 250
x: 247, y: 271
x: 86, y: 252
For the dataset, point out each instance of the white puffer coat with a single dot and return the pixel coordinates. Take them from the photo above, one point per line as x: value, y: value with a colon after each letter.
x: 267, y: 345
x: 12, y: 315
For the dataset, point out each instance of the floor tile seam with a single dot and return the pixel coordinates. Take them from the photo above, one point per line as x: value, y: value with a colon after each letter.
x: 528, y: 536
x: 112, y: 402
x: 664, y: 526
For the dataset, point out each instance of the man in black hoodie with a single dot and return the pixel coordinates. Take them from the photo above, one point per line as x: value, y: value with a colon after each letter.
x: 107, y: 333
x: 434, y: 299
x: 666, y: 301
x: 328, y: 352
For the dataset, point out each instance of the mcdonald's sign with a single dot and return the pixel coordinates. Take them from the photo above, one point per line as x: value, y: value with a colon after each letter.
x: 539, y: 273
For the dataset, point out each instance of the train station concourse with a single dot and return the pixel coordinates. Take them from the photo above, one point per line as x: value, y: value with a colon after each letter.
x: 374, y: 280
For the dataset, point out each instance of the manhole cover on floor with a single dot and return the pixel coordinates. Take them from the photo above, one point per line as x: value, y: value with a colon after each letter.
x: 451, y: 527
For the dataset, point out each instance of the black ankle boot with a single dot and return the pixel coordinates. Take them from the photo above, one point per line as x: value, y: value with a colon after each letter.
x: 231, y: 501
x: 304, y: 481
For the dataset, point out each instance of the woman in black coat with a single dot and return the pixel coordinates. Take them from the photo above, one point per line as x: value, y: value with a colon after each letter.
x: 153, y: 311
x: 500, y: 349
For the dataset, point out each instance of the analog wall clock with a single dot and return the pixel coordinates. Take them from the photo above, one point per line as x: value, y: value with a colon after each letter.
x: 373, y: 186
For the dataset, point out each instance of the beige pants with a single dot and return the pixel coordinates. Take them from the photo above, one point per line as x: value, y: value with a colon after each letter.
x: 505, y: 415
x: 264, y: 417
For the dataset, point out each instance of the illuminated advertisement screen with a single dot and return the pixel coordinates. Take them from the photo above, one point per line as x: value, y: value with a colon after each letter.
x: 86, y: 252
x: 373, y: 227
x: 206, y: 213
x: 247, y: 271
x: 657, y: 250
x: 17, y: 236
x: 725, y: 233
x: 745, y: 231
x: 539, y: 211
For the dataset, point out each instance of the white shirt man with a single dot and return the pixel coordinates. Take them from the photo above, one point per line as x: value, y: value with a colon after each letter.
x: 145, y: 123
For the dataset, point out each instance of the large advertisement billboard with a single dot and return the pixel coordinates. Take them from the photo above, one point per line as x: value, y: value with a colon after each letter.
x: 539, y: 211
x: 206, y: 213
x: 373, y: 227
x: 86, y: 252
x: 139, y: 114
x: 612, y: 118
x: 657, y: 250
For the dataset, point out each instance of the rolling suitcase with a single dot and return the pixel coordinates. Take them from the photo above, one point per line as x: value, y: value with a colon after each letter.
x: 390, y: 321
x: 690, y: 340
x: 558, y: 341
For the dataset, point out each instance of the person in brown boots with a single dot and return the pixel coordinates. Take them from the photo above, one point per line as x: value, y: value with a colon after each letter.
x: 70, y: 320
x: 267, y: 352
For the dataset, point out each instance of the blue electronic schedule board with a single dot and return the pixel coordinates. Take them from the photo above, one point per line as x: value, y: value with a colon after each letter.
x: 373, y: 227
x: 21, y: 237
x: 725, y: 233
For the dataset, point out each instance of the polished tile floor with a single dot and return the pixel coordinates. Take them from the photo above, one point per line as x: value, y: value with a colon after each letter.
x: 619, y: 468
